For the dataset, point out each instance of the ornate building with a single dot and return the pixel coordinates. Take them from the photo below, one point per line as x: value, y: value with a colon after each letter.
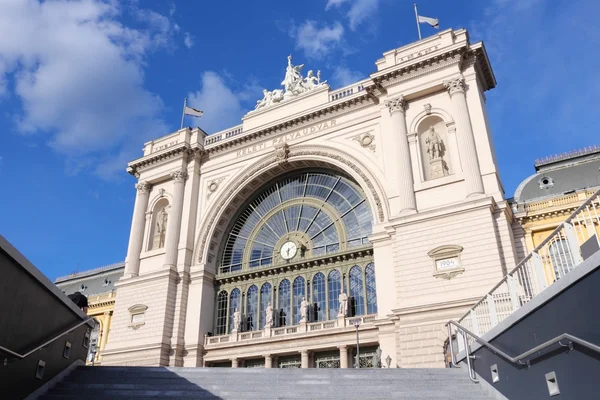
x: 98, y: 285
x: 379, y: 203
x: 561, y: 183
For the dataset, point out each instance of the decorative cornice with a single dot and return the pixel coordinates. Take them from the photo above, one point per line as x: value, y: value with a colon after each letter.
x: 143, y: 187
x: 184, y: 149
x: 397, y: 104
x: 179, y: 175
x: 455, y: 85
x: 335, y: 109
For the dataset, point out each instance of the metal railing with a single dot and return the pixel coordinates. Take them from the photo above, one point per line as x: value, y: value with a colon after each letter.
x: 522, y: 359
x: 551, y: 260
x: 46, y: 343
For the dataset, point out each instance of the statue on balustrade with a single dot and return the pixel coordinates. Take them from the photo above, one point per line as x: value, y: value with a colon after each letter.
x: 304, y: 309
x: 269, y: 316
x: 343, y: 299
x: 237, y: 320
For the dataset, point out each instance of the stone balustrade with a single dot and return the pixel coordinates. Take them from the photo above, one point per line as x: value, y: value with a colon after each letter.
x: 300, y: 329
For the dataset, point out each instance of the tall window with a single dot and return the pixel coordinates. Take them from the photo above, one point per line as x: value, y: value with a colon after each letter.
x: 371, y: 289
x: 265, y: 299
x: 356, y: 290
x: 319, y: 299
x: 221, y: 313
x: 251, y: 321
x: 284, y: 303
x: 335, y: 284
x: 560, y: 256
x: 234, y: 302
x: 298, y: 294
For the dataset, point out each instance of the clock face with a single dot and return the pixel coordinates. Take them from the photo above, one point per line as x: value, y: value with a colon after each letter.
x: 288, y: 250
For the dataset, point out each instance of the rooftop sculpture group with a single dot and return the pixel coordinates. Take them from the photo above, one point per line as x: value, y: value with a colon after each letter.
x: 293, y: 84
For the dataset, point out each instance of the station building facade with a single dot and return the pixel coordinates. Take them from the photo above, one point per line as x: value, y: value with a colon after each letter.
x: 387, y: 190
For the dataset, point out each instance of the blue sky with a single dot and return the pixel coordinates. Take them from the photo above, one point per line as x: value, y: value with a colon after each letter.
x: 83, y: 84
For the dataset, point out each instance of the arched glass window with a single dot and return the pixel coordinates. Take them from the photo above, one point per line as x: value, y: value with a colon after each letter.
x: 251, y: 309
x: 356, y: 290
x: 335, y: 284
x: 234, y: 302
x: 221, y: 313
x: 284, y: 303
x: 299, y: 293
x: 560, y: 256
x: 265, y: 299
x: 311, y: 205
x: 371, y: 289
x: 319, y: 300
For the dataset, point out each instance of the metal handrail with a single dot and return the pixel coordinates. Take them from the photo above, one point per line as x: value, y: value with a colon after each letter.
x: 22, y: 356
x: 514, y: 360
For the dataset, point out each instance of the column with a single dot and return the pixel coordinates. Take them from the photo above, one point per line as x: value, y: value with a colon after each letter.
x: 406, y: 195
x: 304, y: 358
x: 343, y: 356
x: 174, y: 222
x: 136, y: 236
x: 268, y: 361
x: 104, y: 337
x: 465, y: 137
x: 234, y: 363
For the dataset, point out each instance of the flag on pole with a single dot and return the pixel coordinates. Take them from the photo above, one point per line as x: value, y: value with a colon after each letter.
x: 194, y: 112
x: 431, y: 21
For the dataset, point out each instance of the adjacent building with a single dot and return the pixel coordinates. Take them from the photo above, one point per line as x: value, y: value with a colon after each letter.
x: 376, y: 205
x: 560, y: 184
x: 98, y: 285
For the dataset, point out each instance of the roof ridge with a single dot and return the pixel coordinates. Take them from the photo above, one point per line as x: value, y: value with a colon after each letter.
x: 90, y: 271
x: 566, y: 155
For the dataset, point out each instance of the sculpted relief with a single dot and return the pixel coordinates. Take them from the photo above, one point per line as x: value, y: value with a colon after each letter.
x: 433, y: 140
x: 293, y: 83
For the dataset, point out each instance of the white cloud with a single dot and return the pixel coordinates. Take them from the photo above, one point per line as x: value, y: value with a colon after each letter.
x: 222, y: 105
x: 343, y: 76
x: 359, y: 11
x: 317, y: 40
x: 78, y: 73
x: 188, y: 40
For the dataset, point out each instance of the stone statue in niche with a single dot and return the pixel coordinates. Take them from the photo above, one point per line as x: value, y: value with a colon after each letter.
x: 343, y: 300
x: 161, y: 228
x: 269, y: 316
x: 237, y: 320
x: 303, y: 309
x: 435, y: 151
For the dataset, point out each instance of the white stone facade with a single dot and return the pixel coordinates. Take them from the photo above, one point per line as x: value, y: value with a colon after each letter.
x: 441, y: 233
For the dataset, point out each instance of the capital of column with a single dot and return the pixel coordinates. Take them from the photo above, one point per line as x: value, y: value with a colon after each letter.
x: 396, y: 104
x: 179, y: 176
x: 342, y: 347
x: 455, y: 85
x: 143, y: 187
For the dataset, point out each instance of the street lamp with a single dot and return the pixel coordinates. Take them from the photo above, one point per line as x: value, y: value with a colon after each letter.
x: 388, y: 360
x: 356, y: 323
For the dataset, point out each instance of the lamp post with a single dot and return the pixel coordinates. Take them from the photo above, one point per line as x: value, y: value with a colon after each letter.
x: 356, y: 323
x: 388, y: 360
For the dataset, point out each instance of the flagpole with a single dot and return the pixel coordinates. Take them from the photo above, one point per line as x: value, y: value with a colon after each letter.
x: 417, y: 18
x: 183, y: 112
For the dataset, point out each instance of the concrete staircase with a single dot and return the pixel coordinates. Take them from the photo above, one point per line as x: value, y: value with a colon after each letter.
x: 258, y: 383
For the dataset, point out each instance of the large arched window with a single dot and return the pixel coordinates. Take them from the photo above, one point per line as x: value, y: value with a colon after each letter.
x: 265, y: 299
x: 320, y: 213
x: 356, y: 290
x: 560, y: 257
x: 371, y: 289
x: 234, y: 303
x: 251, y: 309
x: 284, y: 303
x: 299, y: 293
x: 319, y: 298
x: 334, y: 282
x: 221, y: 313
